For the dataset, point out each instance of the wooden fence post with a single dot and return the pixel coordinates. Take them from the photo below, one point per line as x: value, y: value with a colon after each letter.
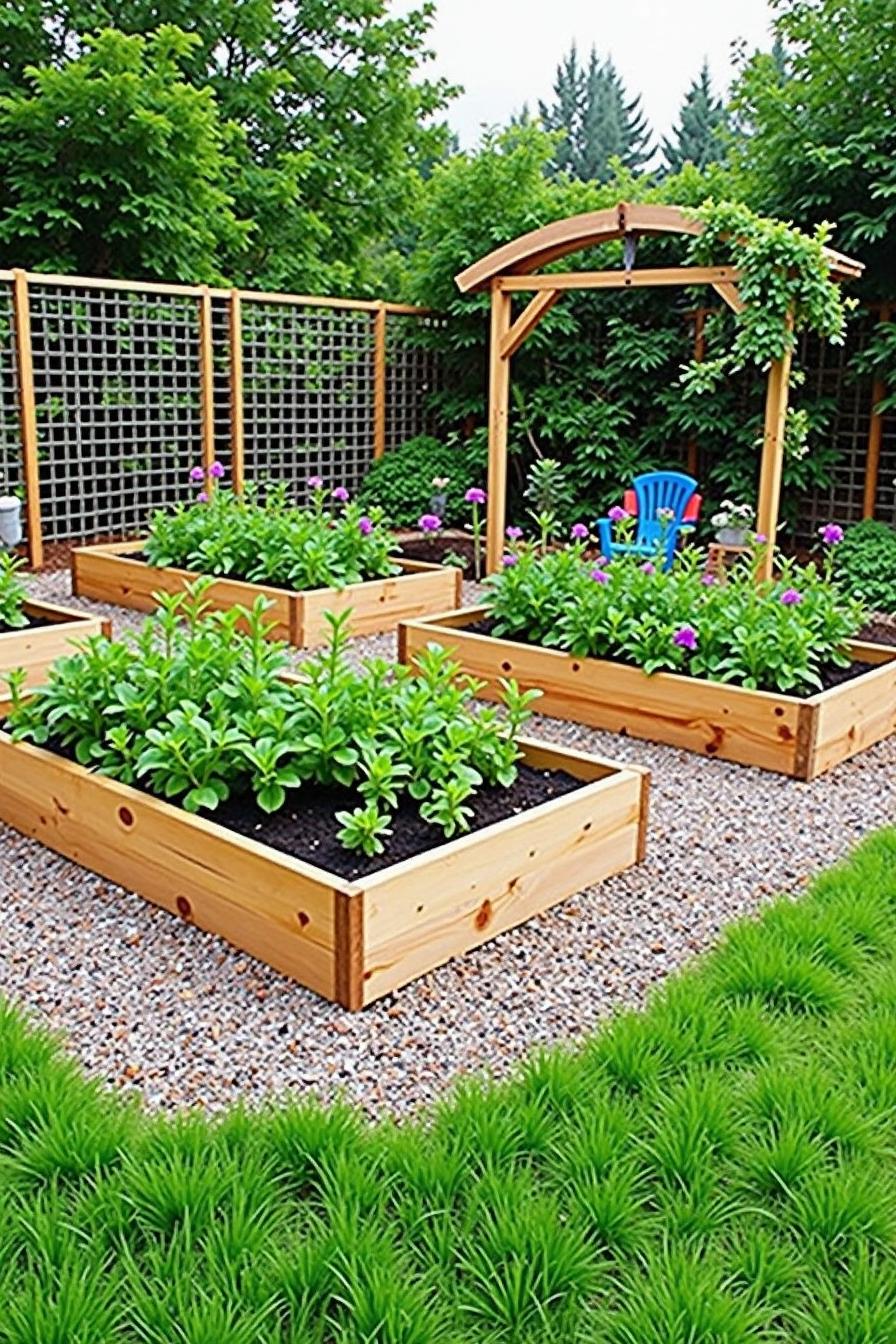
x: 379, y: 381
x: 206, y: 383
x: 27, y: 415
x: 237, y: 421
x: 772, y: 467
x: 498, y: 407
x: 699, y: 353
x: 875, y: 434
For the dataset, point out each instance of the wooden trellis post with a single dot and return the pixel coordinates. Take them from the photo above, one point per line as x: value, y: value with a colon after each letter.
x: 237, y: 419
x: 206, y: 382
x: 498, y: 402
x: 772, y: 467
x: 27, y: 415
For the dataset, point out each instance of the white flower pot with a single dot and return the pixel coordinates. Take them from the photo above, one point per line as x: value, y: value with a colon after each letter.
x: 732, y: 536
x: 10, y: 521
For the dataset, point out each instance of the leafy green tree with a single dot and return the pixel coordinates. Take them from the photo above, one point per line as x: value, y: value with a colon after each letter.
x: 594, y: 119
x: 334, y: 120
x: 114, y: 164
x: 698, y: 136
x: 821, y: 135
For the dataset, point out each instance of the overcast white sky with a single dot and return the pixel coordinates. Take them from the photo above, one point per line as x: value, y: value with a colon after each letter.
x: 505, y: 52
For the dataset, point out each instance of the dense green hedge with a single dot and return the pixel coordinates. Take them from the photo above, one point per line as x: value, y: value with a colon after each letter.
x: 401, y: 482
x: 866, y: 564
x: 716, y: 1170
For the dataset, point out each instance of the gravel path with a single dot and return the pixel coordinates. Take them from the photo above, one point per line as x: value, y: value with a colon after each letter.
x: 147, y: 1002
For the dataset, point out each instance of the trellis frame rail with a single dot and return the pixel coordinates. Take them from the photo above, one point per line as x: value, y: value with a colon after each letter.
x: 509, y: 270
x: 20, y: 281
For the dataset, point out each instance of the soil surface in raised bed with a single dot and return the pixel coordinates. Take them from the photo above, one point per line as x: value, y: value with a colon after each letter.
x: 434, y: 550
x: 878, y: 632
x: 34, y: 623
x: 830, y: 676
x: 306, y: 828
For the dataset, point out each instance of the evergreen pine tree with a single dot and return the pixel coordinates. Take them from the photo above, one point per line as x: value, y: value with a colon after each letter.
x: 698, y: 136
x: 597, y: 119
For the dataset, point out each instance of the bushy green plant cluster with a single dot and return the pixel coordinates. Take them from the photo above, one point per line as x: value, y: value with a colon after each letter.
x: 12, y: 592
x: 775, y: 635
x: 716, y: 1169
x: 198, y: 712
x: 403, y: 482
x: 866, y: 564
x: 326, y: 545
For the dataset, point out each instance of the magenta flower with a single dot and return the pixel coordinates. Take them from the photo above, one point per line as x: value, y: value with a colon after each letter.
x: 514, y: 533
x: 579, y: 532
x: 509, y: 560
x: 790, y: 597
x: 216, y: 471
x: 314, y: 482
x: 197, y: 474
x: 475, y: 496
x: 708, y: 579
x: 430, y: 522
x: 365, y: 526
x: 600, y: 576
x: 686, y: 637
x: 340, y: 494
x: 617, y: 514
x: 760, y: 538
x: 202, y: 497
x: 831, y: 534
x: 648, y: 567
x: 601, y: 560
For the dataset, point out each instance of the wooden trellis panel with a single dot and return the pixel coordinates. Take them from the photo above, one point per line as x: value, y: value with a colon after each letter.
x: 413, y: 374
x: 10, y: 433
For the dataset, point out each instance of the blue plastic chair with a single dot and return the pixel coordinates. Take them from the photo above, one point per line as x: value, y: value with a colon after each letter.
x: 655, y: 490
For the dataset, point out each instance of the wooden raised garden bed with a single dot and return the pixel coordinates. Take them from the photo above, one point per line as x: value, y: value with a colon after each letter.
x: 108, y: 574
x: 35, y: 647
x: 351, y: 942
x: 796, y: 736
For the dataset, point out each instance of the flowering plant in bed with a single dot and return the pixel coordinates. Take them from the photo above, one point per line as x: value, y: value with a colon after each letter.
x: 12, y: 593
x: 198, y: 713
x: 264, y: 538
x: 780, y: 634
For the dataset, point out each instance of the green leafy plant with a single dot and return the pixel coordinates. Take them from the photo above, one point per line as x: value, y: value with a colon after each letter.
x: 197, y: 712
x: 330, y: 543
x: 12, y: 592
x: 407, y: 480
x: 866, y: 564
x: 777, y: 634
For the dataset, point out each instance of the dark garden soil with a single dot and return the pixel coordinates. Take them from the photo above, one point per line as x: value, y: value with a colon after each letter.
x: 830, y: 676
x: 878, y: 632
x: 439, y: 550
x: 34, y: 623
x: 306, y: 827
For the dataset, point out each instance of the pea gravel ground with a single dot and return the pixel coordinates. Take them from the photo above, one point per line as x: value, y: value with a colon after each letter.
x: 151, y: 1004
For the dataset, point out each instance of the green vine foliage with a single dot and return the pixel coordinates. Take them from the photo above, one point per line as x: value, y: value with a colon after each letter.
x: 12, y: 593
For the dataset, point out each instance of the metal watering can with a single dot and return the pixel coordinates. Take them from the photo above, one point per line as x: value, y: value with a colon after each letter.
x: 10, y: 521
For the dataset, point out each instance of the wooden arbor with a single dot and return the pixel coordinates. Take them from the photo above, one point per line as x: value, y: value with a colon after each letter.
x: 511, y: 270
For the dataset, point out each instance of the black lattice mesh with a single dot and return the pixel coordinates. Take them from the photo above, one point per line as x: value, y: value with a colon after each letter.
x: 413, y: 374
x: 886, y: 479
x: 10, y: 435
x: 308, y: 393
x: 116, y: 377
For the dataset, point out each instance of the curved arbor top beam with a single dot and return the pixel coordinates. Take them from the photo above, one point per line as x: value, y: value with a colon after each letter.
x: 540, y: 247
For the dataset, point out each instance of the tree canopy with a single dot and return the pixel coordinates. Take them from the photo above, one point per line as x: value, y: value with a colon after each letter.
x: 595, y: 120
x: 698, y: 136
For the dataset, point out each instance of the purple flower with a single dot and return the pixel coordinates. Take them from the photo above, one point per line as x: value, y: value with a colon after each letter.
x: 600, y: 576
x: 509, y: 560
x: 601, y: 560
x: 314, y: 482
x: 831, y: 534
x: 708, y: 579
x: 760, y: 538
x: 365, y: 526
x: 790, y: 597
x: 197, y: 474
x: 514, y: 533
x: 430, y: 522
x: 340, y: 494
x: 579, y: 532
x: 648, y: 567
x: 686, y: 637
x: 202, y: 497
x: 617, y: 514
x: 216, y: 471
x: 475, y: 496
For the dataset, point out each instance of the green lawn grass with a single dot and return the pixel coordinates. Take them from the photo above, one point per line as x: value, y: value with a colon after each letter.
x: 719, y: 1168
